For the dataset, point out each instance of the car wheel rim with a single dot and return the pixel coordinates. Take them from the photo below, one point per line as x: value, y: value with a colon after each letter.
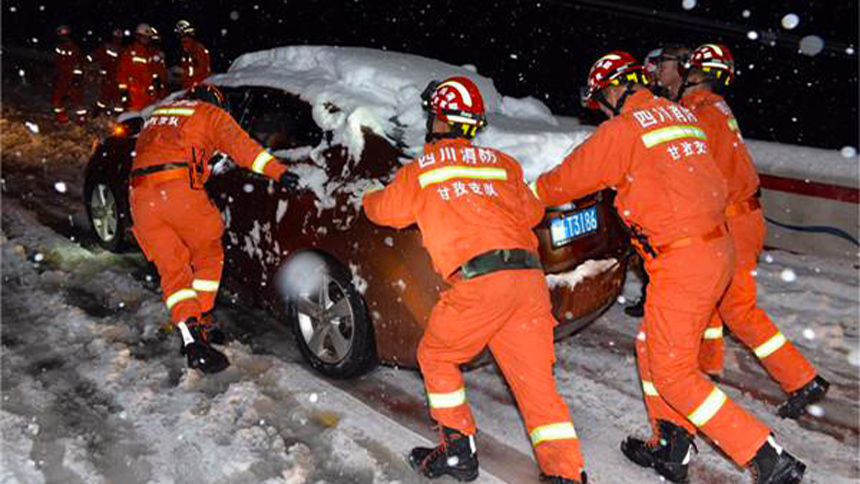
x: 326, y: 319
x: 104, y: 212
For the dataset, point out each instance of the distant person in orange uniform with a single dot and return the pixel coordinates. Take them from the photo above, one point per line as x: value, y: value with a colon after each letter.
x: 711, y: 68
x: 69, y: 65
x: 138, y: 70
x: 106, y: 58
x: 476, y: 216
x: 672, y: 195
x: 195, y: 56
x: 175, y: 223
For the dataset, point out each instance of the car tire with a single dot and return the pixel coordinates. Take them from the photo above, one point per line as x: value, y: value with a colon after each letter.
x: 329, y: 319
x: 105, y: 215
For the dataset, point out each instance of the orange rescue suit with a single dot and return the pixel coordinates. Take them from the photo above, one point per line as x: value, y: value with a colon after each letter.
x: 69, y: 65
x: 746, y: 224
x: 137, y: 75
x: 656, y: 155
x: 195, y: 62
x: 467, y: 201
x: 177, y: 226
x: 107, y: 58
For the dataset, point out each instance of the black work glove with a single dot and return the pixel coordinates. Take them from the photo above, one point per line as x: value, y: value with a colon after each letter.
x: 289, y: 180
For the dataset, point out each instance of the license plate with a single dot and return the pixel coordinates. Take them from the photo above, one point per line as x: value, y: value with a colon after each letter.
x: 573, y: 225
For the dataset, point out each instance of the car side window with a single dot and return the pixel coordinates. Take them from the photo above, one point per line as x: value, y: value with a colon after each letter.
x: 279, y: 120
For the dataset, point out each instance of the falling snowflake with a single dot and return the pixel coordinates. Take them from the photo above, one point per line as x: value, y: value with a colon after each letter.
x: 622, y: 300
x: 788, y: 275
x: 790, y: 21
x: 809, y: 334
x: 746, y: 14
x: 234, y: 15
x: 60, y: 187
x: 39, y: 257
x: 32, y: 127
x: 752, y: 35
x: 848, y: 151
x: 248, y: 188
x: 313, y: 398
x: 811, y: 45
x: 815, y: 410
x: 688, y: 4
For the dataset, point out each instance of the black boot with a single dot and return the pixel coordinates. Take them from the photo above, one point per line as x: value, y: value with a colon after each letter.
x: 200, y: 355
x: 207, y: 330
x: 455, y: 456
x: 669, y: 456
x: 583, y: 479
x: 636, y: 310
x: 797, y: 402
x: 772, y: 465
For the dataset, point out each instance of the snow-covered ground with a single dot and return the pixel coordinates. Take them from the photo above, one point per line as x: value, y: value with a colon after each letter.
x: 93, y: 393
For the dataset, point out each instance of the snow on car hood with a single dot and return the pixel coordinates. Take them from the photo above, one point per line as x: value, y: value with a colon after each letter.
x: 380, y: 90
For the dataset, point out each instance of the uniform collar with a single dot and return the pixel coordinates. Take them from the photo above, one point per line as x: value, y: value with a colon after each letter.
x: 697, y: 98
x: 638, y: 98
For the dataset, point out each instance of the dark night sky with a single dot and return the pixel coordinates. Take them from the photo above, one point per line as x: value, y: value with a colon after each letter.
x: 539, y: 48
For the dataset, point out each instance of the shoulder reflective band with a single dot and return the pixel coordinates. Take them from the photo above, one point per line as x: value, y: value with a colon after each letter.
x: 733, y: 124
x: 173, y: 112
x: 708, y: 408
x: 205, y: 285
x: 440, y: 175
x: 714, y: 333
x: 447, y: 400
x: 261, y: 161
x: 180, y: 295
x: 670, y: 133
x: 141, y: 60
x: 768, y: 347
x: 556, y: 431
x: 649, y: 389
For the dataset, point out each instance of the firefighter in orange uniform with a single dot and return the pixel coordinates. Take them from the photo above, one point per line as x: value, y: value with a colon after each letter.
x: 135, y: 72
x: 476, y: 216
x: 195, y: 56
x: 672, y: 195
x: 69, y: 65
x: 710, y: 68
x: 107, y: 59
x: 175, y: 223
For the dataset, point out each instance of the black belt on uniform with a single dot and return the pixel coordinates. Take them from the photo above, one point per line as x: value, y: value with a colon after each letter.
x: 149, y: 170
x: 500, y: 260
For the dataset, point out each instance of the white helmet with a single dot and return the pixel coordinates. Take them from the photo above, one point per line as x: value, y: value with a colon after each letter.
x: 145, y: 30
x: 183, y: 27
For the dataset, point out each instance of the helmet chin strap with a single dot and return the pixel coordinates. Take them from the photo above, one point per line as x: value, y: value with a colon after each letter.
x: 685, y: 83
x: 616, y: 110
x: 432, y: 136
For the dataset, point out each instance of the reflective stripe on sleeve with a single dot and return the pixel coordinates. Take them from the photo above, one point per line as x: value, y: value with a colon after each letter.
x: 173, y: 112
x: 649, y: 389
x: 713, y: 333
x: 556, y: 431
x: 440, y: 175
x: 447, y: 400
x: 768, y: 347
x: 261, y: 161
x: 141, y: 60
x: 205, y: 285
x: 670, y: 133
x: 180, y: 295
x: 733, y: 124
x: 708, y: 408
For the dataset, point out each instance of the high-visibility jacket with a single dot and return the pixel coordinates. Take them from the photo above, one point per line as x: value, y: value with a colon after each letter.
x: 726, y: 143
x: 195, y: 62
x: 139, y: 67
x: 69, y: 62
x: 655, y: 154
x: 106, y: 57
x: 191, y: 132
x: 467, y: 200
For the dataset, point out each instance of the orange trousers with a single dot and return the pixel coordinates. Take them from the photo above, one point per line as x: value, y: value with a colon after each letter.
x: 686, y: 285
x: 749, y: 323
x: 510, y: 312
x: 179, y: 230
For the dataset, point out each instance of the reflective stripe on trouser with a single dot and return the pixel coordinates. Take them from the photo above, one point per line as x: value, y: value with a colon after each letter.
x: 509, y: 311
x: 711, y: 353
x: 179, y: 230
x: 676, y: 316
x: 749, y: 323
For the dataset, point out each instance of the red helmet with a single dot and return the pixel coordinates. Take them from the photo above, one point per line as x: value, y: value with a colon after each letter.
x: 713, y: 59
x: 455, y: 100
x: 615, y: 68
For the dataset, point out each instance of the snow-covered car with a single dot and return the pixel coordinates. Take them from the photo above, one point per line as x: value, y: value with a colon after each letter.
x: 355, y: 293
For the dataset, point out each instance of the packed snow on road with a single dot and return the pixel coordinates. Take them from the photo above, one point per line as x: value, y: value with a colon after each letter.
x: 93, y: 392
